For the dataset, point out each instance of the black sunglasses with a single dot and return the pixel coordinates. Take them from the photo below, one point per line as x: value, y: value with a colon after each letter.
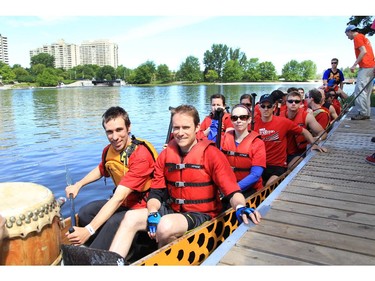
x: 246, y: 104
x: 268, y: 106
x: 334, y: 62
x: 294, y: 101
x: 242, y: 117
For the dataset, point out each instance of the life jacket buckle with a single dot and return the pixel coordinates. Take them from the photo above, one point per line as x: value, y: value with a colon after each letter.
x: 179, y: 201
x: 179, y: 184
x: 231, y: 153
x: 180, y: 166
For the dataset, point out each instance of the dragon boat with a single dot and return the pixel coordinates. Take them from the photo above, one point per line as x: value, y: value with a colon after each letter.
x: 190, y: 249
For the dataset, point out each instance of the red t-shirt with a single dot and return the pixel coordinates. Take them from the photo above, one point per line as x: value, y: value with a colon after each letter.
x: 274, y: 134
x: 368, y: 59
x: 141, y: 165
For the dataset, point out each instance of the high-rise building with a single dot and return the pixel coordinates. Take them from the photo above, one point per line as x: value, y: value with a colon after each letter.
x: 66, y: 55
x: 4, y: 49
x: 99, y: 52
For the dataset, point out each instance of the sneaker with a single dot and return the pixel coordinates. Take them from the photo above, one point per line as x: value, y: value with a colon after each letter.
x: 371, y: 159
x: 360, y: 117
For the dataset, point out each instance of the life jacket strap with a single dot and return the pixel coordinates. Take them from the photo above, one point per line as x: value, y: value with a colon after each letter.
x: 193, y: 184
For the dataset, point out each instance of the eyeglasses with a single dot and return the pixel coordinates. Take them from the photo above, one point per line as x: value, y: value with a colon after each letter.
x: 268, y: 106
x: 246, y: 104
x: 334, y: 62
x: 294, y: 101
x: 242, y: 117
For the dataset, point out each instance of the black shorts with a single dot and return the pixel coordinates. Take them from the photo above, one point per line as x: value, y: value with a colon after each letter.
x: 194, y: 219
x: 272, y: 171
x: 291, y: 157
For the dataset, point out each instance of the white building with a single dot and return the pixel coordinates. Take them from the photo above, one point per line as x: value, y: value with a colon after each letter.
x: 66, y: 55
x: 99, y: 52
x: 4, y: 49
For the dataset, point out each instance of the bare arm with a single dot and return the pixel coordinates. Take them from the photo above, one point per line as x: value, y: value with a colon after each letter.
x: 308, y: 136
x: 315, y: 127
x: 363, y: 51
x: 239, y: 200
x: 94, y: 175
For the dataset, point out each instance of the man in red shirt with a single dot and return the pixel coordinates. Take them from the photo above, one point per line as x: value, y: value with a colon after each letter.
x: 321, y: 114
x: 185, y: 189
x: 365, y: 59
x: 130, y: 168
x: 273, y: 131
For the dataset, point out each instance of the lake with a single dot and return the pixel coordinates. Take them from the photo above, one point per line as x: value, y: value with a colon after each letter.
x: 43, y: 131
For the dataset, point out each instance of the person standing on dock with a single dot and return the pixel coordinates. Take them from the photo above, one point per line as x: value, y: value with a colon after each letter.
x: 130, y: 163
x: 365, y: 59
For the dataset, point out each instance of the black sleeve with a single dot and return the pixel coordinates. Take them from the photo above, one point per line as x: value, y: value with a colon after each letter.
x: 160, y: 194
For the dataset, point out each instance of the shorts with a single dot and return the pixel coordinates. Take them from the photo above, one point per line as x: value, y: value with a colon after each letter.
x: 194, y: 219
x: 291, y: 156
x: 272, y: 171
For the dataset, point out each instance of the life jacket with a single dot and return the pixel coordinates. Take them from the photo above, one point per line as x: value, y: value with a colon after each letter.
x: 117, y: 164
x: 300, y: 120
x: 238, y: 157
x: 190, y: 187
x: 322, y: 110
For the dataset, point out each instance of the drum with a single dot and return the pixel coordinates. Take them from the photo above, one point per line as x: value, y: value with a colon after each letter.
x: 32, y: 229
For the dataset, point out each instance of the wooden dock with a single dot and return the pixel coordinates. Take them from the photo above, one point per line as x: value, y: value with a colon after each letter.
x: 323, y: 213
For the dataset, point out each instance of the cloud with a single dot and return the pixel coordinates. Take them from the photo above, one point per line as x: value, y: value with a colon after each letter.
x: 38, y: 21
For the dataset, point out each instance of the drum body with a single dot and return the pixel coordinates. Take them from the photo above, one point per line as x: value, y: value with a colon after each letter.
x: 32, y: 229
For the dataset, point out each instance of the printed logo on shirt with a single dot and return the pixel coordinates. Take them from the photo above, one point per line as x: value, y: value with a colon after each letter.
x: 269, y: 135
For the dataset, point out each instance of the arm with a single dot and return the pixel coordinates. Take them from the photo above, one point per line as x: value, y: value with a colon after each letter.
x: 332, y: 112
x: 255, y: 174
x: 94, y: 175
x: 315, y: 127
x: 82, y: 234
x: 362, y: 53
x: 238, y: 203
x: 311, y: 140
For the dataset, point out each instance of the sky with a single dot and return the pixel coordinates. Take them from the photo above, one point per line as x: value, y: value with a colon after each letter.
x: 148, y: 32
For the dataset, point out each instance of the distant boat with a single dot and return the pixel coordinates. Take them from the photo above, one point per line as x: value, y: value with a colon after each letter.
x: 108, y: 83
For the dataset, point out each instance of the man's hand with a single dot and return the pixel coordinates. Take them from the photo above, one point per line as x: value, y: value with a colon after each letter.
x: 243, y: 213
x: 152, y: 222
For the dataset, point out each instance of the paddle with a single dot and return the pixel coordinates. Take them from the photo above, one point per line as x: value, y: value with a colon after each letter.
x: 171, y: 109
x: 253, y: 95
x: 69, y: 181
x: 219, y: 116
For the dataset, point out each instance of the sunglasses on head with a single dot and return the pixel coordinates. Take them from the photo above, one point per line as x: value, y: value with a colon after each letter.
x: 268, y: 106
x: 294, y: 101
x: 242, y: 117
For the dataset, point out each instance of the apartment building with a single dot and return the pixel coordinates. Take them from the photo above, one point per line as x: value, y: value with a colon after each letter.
x: 99, y: 52
x: 4, y: 49
x: 66, y: 55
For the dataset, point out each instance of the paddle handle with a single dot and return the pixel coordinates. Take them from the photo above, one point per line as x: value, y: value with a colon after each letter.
x: 72, y: 213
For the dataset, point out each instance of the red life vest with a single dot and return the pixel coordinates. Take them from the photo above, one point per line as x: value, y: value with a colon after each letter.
x: 189, y: 184
x: 300, y: 140
x: 238, y: 156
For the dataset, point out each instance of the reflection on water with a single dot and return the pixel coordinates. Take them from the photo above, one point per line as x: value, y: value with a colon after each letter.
x: 44, y: 130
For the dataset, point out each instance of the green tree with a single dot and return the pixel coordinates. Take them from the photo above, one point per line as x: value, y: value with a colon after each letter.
x: 211, y: 76
x: 232, y: 71
x: 216, y: 59
x: 6, y: 73
x: 364, y: 24
x: 190, y: 70
x: 143, y: 74
x: 22, y: 75
x: 47, y: 78
x: 291, y: 71
x: 163, y: 74
x: 251, y: 72
x: 37, y: 69
x: 267, y: 71
x: 106, y: 72
x: 308, y: 70
x: 43, y: 58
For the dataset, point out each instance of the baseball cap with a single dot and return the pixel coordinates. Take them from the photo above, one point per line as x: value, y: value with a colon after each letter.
x: 266, y: 98
x: 351, y: 27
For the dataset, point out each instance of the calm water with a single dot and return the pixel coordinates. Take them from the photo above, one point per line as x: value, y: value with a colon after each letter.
x: 44, y: 130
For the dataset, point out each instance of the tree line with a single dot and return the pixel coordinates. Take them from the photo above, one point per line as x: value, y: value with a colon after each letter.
x: 221, y: 64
